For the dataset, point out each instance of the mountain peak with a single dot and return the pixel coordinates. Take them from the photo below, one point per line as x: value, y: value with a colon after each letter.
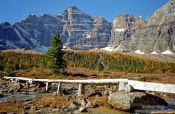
x: 73, y: 8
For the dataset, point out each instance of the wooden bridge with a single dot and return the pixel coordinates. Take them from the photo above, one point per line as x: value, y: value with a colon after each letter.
x: 124, y: 84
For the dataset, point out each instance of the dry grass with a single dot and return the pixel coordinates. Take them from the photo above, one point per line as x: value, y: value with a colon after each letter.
x: 84, y: 73
x: 11, y: 106
x: 53, y: 101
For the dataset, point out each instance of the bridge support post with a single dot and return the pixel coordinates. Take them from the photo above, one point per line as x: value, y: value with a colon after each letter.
x: 80, y: 87
x: 59, y: 87
x: 30, y: 81
x: 47, y: 86
x: 121, y: 86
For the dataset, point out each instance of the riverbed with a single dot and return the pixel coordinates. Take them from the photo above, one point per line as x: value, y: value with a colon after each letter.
x: 99, y: 110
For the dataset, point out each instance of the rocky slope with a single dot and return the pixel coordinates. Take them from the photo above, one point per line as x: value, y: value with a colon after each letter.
x: 81, y: 31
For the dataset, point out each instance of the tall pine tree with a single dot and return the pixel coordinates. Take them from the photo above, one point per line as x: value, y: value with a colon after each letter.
x: 56, y: 63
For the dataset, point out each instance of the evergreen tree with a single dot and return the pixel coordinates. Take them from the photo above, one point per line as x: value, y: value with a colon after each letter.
x: 100, y: 65
x: 56, y: 63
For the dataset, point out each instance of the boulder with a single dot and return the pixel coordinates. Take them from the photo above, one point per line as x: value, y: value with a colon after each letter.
x: 14, y: 87
x: 72, y: 107
x: 133, y: 100
x: 82, y: 102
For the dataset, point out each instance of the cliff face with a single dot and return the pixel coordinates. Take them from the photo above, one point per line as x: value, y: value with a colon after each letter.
x: 122, y: 29
x: 158, y: 33
x: 81, y: 31
x: 98, y: 36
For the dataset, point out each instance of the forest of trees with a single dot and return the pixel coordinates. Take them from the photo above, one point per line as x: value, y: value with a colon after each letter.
x: 91, y: 60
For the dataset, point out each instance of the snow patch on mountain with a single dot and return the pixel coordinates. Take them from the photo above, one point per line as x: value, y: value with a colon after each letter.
x: 139, y: 52
x: 119, y: 30
x: 88, y: 36
x: 110, y: 49
x: 167, y: 52
x: 154, y: 53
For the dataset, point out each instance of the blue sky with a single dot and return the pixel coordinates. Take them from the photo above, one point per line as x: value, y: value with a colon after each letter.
x: 16, y: 10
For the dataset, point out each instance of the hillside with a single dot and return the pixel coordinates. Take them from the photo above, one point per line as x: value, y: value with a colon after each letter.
x: 23, y: 60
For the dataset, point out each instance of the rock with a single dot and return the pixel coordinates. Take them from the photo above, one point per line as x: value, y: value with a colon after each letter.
x: 130, y: 101
x: 26, y: 107
x: 33, y: 108
x: 14, y: 87
x: 106, y: 93
x: 81, y: 101
x: 55, y: 109
x: 93, y: 92
x: 81, y: 109
x: 90, y: 104
x: 72, y: 107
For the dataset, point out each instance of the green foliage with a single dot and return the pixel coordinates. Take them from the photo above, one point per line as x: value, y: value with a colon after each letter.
x: 56, y: 63
x: 100, y: 66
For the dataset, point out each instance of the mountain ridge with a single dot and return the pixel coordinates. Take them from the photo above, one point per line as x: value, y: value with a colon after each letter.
x: 81, y: 31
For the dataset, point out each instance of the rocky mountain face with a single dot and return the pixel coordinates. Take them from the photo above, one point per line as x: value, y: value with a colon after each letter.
x: 78, y: 30
x: 81, y: 31
x: 158, y: 34
x: 122, y: 30
x: 155, y: 35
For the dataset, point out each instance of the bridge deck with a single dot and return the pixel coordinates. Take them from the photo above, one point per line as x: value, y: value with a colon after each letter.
x: 137, y: 85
